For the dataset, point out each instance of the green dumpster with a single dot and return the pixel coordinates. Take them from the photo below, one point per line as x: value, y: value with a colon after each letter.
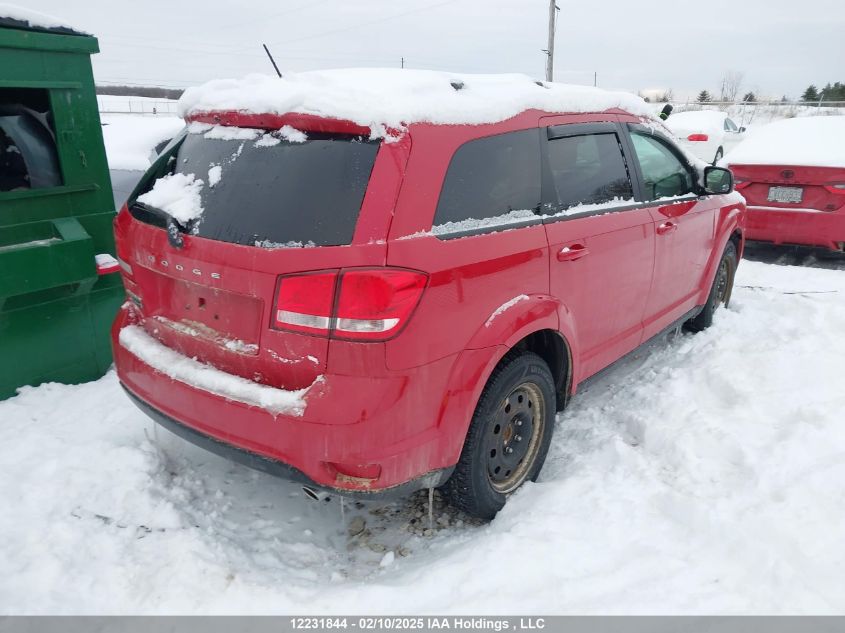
x: 56, y: 211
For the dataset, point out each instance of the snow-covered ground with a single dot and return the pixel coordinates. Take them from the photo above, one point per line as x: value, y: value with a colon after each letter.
x: 752, y: 115
x: 704, y: 476
x: 129, y: 138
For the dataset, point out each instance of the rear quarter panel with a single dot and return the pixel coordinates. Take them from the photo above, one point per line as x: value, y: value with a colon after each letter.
x: 470, y: 277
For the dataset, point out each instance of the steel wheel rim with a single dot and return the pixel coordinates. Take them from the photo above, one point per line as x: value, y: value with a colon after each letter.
x: 722, y: 281
x: 513, y: 437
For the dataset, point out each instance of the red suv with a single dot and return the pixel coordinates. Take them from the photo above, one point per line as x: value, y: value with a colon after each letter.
x: 378, y: 316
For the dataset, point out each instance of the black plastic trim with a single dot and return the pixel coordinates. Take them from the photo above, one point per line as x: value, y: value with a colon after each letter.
x: 581, y: 129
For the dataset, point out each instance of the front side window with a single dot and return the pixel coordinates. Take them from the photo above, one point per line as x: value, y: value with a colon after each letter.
x: 28, y: 156
x: 664, y: 175
x: 730, y: 126
x: 588, y: 169
x: 492, y: 177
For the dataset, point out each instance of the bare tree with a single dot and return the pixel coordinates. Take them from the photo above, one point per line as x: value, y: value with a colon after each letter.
x: 731, y: 82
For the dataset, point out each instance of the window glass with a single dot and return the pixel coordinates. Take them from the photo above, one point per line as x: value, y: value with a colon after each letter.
x: 730, y: 126
x: 664, y: 175
x: 588, y: 169
x: 28, y: 156
x: 270, y: 192
x: 492, y: 177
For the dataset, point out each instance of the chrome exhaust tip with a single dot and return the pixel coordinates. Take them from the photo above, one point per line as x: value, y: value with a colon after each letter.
x: 315, y: 495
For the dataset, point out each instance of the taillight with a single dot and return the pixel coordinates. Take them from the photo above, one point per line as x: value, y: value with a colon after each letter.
x: 837, y: 189
x: 372, y: 304
x: 697, y: 137
x: 304, y: 302
x: 741, y: 184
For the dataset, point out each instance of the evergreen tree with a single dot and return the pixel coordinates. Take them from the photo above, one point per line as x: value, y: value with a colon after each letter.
x: 749, y: 97
x: 835, y: 92
x: 704, y: 97
x: 810, y: 94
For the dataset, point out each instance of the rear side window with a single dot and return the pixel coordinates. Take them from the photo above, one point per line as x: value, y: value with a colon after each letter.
x: 261, y: 190
x: 492, y: 177
x: 588, y: 169
x: 664, y: 175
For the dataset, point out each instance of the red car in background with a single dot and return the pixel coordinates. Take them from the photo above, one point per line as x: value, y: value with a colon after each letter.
x: 792, y: 174
x: 373, y: 315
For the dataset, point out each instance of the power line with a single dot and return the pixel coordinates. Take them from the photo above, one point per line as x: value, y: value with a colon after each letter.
x: 133, y: 36
x: 264, y: 18
x: 369, y: 23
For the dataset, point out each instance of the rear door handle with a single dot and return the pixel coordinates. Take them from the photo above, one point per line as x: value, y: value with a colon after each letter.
x: 666, y: 228
x: 572, y: 252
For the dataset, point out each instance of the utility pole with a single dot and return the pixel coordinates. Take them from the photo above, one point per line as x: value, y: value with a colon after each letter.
x: 403, y: 63
x: 550, y: 51
x: 595, y: 79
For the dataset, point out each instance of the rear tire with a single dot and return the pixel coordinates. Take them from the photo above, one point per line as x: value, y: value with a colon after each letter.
x: 720, y: 292
x: 508, y: 437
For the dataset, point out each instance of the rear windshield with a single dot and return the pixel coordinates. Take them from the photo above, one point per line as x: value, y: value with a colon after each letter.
x: 261, y: 190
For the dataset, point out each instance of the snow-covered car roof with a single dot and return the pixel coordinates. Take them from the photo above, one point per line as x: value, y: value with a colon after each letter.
x: 11, y: 15
x: 690, y: 122
x: 815, y: 141
x: 379, y: 98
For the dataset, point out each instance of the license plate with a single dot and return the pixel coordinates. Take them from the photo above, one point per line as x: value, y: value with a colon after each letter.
x: 785, y: 194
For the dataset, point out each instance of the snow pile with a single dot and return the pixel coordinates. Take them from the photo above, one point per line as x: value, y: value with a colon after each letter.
x: 271, y: 245
x: 814, y: 141
x: 292, y: 135
x: 511, y: 217
x: 284, y: 133
x: 177, y: 195
x: 704, y: 476
x: 215, y: 173
x: 225, y: 132
x: 34, y: 19
x: 711, y: 122
x: 131, y: 139
x: 208, y: 378
x: 381, y: 98
x: 610, y: 205
x: 517, y: 218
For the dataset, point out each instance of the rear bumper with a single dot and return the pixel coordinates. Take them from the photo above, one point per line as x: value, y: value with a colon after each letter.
x: 360, y: 435
x: 275, y: 467
x: 802, y: 227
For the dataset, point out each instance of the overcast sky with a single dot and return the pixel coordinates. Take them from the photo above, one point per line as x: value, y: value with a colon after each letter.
x: 781, y: 46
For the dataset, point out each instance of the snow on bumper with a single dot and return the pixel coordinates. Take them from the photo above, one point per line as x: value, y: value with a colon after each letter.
x: 207, y: 378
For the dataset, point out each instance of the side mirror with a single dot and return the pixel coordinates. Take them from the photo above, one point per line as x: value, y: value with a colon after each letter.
x: 718, y: 180
x: 741, y: 130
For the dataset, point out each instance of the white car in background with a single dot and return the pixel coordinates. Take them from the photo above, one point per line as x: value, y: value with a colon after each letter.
x: 707, y: 134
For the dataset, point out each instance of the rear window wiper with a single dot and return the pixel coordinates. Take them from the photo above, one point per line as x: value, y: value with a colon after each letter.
x: 158, y: 217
